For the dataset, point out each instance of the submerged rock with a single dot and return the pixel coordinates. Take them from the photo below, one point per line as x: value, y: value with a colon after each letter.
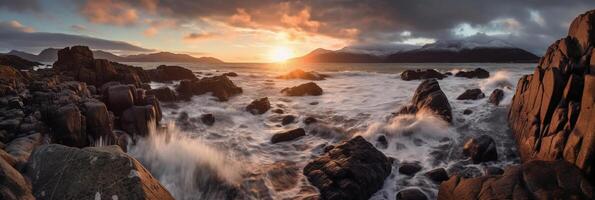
x: 481, y: 149
x: 437, y: 175
x: 306, y: 89
x: 532, y: 180
x: 165, y: 73
x: 409, y: 75
x: 207, y: 119
x: 300, y: 74
x: 259, y: 106
x: 288, y: 119
x: 219, y: 86
x: 60, y: 172
x: 411, y: 194
x: 351, y: 170
x: 409, y: 168
x: 310, y: 120
x: 288, y: 136
x: 471, y: 94
x: 476, y: 73
x: 230, y: 74
x: 496, y: 96
x: 428, y: 96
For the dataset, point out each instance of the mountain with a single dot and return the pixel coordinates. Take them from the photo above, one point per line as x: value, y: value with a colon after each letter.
x: 51, y: 55
x: 468, y: 50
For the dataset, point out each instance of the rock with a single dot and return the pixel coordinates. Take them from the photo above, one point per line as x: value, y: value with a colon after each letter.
x: 220, y: 87
x: 120, y: 98
x: 411, y: 194
x: 287, y: 119
x: 98, y: 122
x: 259, y: 106
x: 68, y: 127
x: 429, y: 96
x: 13, y: 185
x: 164, y: 94
x: 476, y: 73
x: 493, y: 171
x: 471, y: 94
x: 278, y: 111
x: 467, y: 112
x: 310, y: 120
x: 164, y: 73
x: 496, y: 96
x: 551, y: 114
x: 17, y: 62
x: 534, y: 179
x: 288, y: 136
x: 300, y: 74
x: 20, y: 148
x: 230, y: 74
x: 418, y: 74
x: 207, y: 119
x: 136, y: 120
x: 351, y: 170
x: 90, y: 173
x: 381, y: 142
x: 306, y: 89
x: 481, y: 149
x: 409, y: 169
x: 437, y: 175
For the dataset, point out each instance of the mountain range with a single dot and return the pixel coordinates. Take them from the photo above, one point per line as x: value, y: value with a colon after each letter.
x: 471, y: 50
x: 51, y: 54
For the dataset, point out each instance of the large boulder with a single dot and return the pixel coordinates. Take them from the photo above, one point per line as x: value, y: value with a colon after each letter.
x: 496, y: 96
x: 60, y: 172
x: 300, y: 74
x: 21, y: 148
x: 165, y: 73
x: 351, y: 170
x: 471, y: 94
x: 306, y: 89
x: 99, y: 124
x: 409, y: 74
x: 120, y: 98
x: 13, y: 185
x: 164, y: 94
x: 219, y: 86
x: 481, y: 149
x: 68, y: 126
x: 136, y: 120
x: 428, y: 96
x: 476, y: 73
x: 259, y: 106
x: 552, y: 114
x: 532, y: 180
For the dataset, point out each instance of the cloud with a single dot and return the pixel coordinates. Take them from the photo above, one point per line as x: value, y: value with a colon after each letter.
x: 78, y: 28
x: 198, y: 36
x: 110, y: 12
x: 13, y: 35
x: 20, y: 5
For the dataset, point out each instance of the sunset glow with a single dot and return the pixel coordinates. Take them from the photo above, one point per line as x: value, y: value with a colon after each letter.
x: 280, y: 54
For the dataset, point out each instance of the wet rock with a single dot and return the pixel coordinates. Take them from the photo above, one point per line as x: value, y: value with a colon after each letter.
x: 429, y: 96
x: 68, y: 127
x: 437, y: 175
x: 467, y: 111
x: 136, y: 120
x: 418, y: 74
x: 230, y: 74
x: 410, y: 168
x: 20, y: 148
x: 98, y: 122
x: 90, y: 173
x: 534, y: 179
x: 351, y: 170
x: 382, y: 142
x: 119, y: 98
x: 481, y: 149
x: 164, y: 94
x: 278, y: 111
x: 493, y: 171
x: 476, y: 73
x: 219, y: 86
x: 471, y: 94
x: 411, y: 194
x: 165, y: 73
x: 288, y: 136
x: 207, y: 119
x: 496, y: 96
x: 13, y: 186
x: 259, y: 106
x: 300, y: 74
x: 310, y: 120
x: 288, y: 119
x: 306, y: 89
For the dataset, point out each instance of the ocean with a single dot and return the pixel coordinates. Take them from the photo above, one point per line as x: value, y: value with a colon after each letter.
x: 196, y: 161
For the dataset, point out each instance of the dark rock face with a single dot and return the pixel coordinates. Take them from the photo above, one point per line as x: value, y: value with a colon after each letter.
x: 220, y: 87
x: 310, y: 120
x: 409, y: 168
x: 409, y: 75
x: 306, y: 89
x: 471, y: 94
x: 13, y: 185
x: 99, y: 124
x: 429, y: 96
x: 164, y: 94
x: 437, y: 175
x: 481, y: 149
x: 476, y: 73
x: 532, y: 180
x: 496, y: 96
x: 164, y: 73
x: 90, y: 172
x: 300, y: 74
x: 68, y: 127
x: 17, y: 62
x: 467, y: 112
x: 259, y: 106
x: 351, y: 170
x: 207, y: 119
x: 411, y: 194
x: 288, y: 136
x: 137, y: 119
x: 288, y: 119
x: 552, y: 112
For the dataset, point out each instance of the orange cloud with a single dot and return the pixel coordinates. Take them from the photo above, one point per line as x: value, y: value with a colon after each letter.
x: 109, y: 12
x: 301, y: 21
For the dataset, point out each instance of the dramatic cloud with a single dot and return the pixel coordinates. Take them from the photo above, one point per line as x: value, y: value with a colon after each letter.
x: 110, y: 12
x: 20, y: 5
x: 13, y: 35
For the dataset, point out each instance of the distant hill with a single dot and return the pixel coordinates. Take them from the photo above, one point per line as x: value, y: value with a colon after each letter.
x: 450, y: 51
x: 51, y: 55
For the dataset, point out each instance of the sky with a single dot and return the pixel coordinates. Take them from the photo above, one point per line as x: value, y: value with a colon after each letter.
x: 267, y: 30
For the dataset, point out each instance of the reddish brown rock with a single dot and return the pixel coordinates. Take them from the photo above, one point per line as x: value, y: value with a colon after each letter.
x: 164, y: 94
x: 288, y: 136
x: 306, y: 89
x: 409, y: 75
x: 165, y: 73
x: 496, y: 96
x: 471, y: 94
x: 259, y: 106
x: 300, y: 74
x: 476, y: 73
x: 428, y: 96
x: 219, y: 86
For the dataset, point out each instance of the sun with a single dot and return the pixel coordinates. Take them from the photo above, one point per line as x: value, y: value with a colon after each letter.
x: 280, y: 54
